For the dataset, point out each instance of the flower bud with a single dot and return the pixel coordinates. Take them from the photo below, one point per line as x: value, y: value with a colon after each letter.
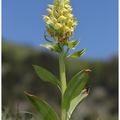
x: 49, y: 11
x: 51, y: 6
x: 75, y: 24
x: 67, y: 1
x: 46, y: 18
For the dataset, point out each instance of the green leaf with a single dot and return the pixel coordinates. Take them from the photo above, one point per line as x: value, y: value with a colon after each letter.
x: 47, y: 76
x: 44, y: 109
x: 73, y: 44
x: 75, y: 86
x: 51, y: 47
x: 76, y: 101
x: 47, y: 45
x: 77, y: 54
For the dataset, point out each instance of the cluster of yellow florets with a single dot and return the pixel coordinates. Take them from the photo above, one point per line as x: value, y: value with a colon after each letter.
x: 60, y: 22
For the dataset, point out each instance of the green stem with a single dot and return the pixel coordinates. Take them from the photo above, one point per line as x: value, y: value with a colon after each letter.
x: 63, y: 82
x: 62, y: 72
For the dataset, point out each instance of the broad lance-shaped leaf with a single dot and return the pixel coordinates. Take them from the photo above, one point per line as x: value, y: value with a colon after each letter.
x: 75, y: 86
x: 44, y: 109
x: 77, y: 54
x: 52, y: 47
x: 76, y: 101
x: 73, y: 44
x: 47, y: 76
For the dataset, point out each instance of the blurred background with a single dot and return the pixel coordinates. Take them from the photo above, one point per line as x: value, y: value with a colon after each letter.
x: 23, y: 30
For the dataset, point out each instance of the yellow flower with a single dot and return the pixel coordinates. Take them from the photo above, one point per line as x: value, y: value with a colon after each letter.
x: 69, y: 16
x: 66, y: 28
x: 58, y: 26
x: 49, y: 22
x: 61, y: 18
x: 46, y: 18
x: 54, y: 20
x: 65, y: 11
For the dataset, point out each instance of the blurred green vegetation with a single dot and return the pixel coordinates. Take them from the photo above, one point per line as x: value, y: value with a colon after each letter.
x: 18, y: 76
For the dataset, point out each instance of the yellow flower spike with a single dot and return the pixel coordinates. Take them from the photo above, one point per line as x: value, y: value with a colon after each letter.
x: 61, y: 18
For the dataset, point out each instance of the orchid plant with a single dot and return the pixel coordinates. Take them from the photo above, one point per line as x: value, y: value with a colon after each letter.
x: 60, y: 26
